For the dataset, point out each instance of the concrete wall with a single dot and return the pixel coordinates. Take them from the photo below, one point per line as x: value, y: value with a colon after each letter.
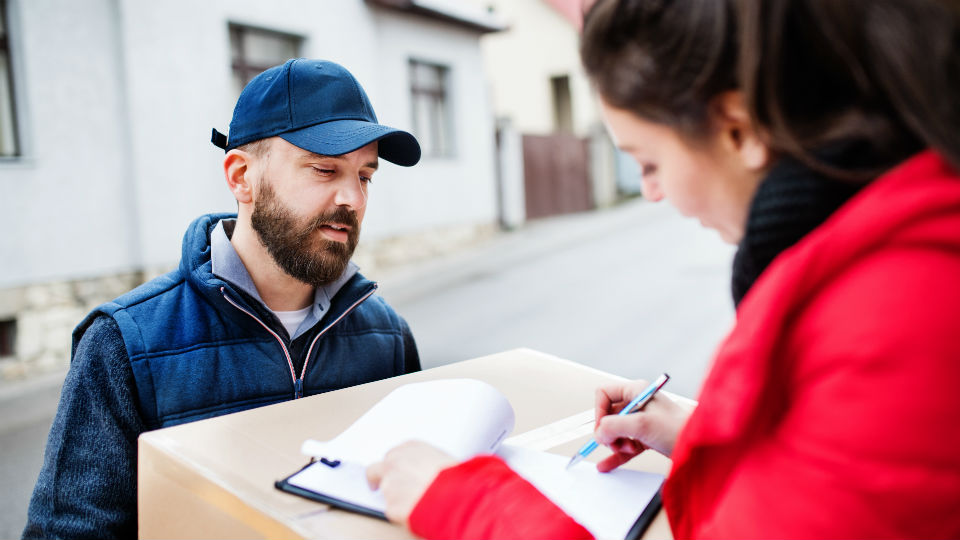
x: 177, y: 59
x: 449, y: 190
x: 116, y: 99
x: 64, y: 208
x: 538, y: 45
x: 120, y: 96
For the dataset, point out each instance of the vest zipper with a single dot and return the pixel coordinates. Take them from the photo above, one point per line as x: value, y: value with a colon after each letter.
x: 306, y: 361
x: 298, y: 383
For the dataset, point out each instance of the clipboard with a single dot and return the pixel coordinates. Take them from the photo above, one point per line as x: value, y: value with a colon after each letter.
x: 636, y: 531
x: 610, y: 505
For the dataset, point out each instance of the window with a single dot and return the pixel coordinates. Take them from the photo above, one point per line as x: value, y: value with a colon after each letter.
x: 562, y: 106
x: 254, y: 49
x: 9, y: 144
x: 8, y: 337
x: 430, y: 104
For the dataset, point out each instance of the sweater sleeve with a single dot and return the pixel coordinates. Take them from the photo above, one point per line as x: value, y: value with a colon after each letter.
x: 411, y: 356
x: 484, y: 498
x: 88, y: 482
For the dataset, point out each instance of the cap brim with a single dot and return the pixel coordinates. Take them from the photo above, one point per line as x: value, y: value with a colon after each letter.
x: 344, y: 136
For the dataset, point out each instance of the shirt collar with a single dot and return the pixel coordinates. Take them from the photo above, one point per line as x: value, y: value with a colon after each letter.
x: 227, y: 265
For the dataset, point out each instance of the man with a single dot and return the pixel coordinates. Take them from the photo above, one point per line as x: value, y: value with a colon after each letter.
x: 265, y: 306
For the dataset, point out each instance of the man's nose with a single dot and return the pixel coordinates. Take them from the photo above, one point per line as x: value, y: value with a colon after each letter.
x: 351, y: 192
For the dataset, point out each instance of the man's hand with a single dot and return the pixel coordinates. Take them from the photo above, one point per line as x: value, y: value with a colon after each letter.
x: 656, y: 426
x: 405, y: 474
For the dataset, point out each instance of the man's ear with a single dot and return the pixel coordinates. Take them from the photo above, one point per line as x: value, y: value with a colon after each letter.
x: 738, y: 132
x: 237, y: 167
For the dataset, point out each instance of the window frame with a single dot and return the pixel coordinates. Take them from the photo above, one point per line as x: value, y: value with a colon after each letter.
x: 561, y: 98
x: 7, y: 49
x: 447, y: 145
x: 8, y: 338
x: 239, y: 62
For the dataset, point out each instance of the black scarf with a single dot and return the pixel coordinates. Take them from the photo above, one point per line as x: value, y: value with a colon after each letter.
x: 790, y: 202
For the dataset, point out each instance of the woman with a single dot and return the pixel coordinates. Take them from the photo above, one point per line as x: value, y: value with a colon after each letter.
x: 823, y: 137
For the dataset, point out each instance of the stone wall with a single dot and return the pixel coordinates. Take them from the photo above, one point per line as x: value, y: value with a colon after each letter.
x: 46, y: 314
x: 382, y: 254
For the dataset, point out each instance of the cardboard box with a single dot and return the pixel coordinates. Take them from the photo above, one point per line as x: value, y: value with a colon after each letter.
x: 214, y: 478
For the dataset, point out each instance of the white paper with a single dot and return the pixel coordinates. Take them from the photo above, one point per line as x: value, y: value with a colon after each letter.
x: 462, y: 417
x: 347, y: 481
x: 467, y: 417
x: 607, y: 504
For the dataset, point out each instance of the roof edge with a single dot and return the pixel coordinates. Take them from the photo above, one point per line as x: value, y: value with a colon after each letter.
x: 473, y: 19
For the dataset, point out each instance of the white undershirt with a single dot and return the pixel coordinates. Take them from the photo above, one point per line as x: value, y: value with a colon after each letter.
x: 291, y: 320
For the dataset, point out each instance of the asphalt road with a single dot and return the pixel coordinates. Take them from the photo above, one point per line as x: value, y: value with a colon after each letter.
x: 633, y: 290
x: 26, y: 411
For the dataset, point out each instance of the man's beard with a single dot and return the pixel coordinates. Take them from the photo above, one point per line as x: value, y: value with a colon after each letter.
x: 296, y: 245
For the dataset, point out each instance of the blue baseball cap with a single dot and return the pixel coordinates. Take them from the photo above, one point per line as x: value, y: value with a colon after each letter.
x: 318, y: 106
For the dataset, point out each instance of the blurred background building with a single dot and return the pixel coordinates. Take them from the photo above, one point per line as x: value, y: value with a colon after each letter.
x: 106, y: 108
x: 105, y: 113
x: 546, y: 109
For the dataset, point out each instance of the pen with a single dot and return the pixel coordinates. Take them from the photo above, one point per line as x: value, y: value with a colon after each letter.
x: 635, y: 405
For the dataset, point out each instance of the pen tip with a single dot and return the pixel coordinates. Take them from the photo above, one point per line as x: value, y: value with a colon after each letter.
x: 572, y: 462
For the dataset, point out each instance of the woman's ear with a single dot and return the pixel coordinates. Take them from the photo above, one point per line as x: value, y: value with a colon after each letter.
x: 737, y: 131
x: 237, y: 169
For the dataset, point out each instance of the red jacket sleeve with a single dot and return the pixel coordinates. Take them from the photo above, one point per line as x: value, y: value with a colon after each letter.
x: 484, y: 498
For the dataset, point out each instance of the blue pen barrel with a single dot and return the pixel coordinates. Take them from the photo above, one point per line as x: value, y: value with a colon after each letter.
x: 589, y: 447
x: 635, y: 404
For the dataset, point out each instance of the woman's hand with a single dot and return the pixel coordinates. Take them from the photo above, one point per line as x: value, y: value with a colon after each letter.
x: 405, y: 474
x: 656, y: 426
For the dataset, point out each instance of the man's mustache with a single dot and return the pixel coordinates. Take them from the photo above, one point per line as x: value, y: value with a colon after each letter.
x: 341, y: 215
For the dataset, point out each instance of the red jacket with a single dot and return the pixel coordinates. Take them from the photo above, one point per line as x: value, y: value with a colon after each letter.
x: 832, y: 408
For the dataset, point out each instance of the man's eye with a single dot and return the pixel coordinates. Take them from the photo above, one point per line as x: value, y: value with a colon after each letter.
x: 366, y: 179
x: 323, y: 171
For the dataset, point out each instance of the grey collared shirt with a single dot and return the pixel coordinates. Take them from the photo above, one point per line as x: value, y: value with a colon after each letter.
x: 228, y: 265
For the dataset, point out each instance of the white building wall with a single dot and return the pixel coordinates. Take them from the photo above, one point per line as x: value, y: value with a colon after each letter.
x: 65, y: 205
x: 438, y: 191
x: 180, y: 87
x: 539, y: 44
x: 116, y: 99
x: 113, y: 177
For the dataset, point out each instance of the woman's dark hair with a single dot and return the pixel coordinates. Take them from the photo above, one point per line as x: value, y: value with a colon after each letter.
x: 664, y: 60
x: 883, y: 74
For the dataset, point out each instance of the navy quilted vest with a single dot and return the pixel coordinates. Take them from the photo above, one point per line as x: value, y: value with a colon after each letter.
x: 199, y: 348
